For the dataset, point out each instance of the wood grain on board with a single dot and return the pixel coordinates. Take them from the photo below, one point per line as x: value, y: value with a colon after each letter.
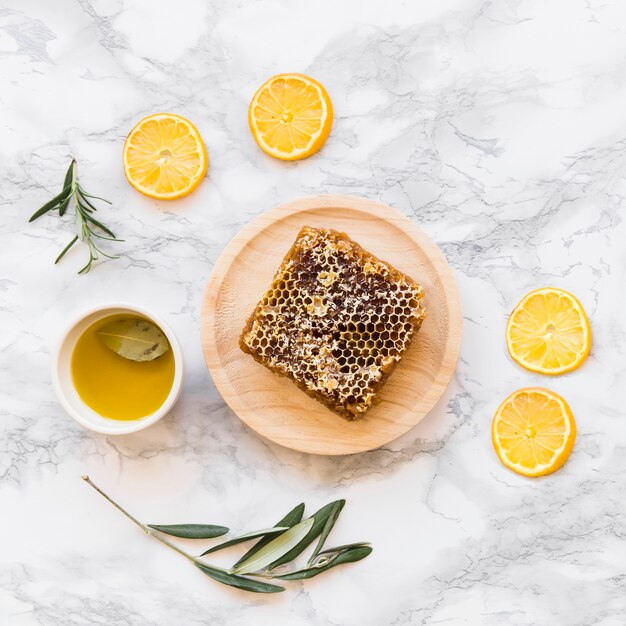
x: 273, y: 406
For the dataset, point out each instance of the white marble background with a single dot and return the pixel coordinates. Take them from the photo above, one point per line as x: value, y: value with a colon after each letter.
x: 498, y: 126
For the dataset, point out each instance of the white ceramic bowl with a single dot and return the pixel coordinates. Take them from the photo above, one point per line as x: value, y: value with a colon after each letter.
x: 64, y: 386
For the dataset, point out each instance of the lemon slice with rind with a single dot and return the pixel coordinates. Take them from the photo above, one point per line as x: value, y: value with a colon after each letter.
x: 164, y: 156
x: 533, y: 431
x: 548, y: 332
x: 290, y: 116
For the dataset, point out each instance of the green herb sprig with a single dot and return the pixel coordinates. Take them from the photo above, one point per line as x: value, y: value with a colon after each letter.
x: 277, y: 546
x: 89, y: 229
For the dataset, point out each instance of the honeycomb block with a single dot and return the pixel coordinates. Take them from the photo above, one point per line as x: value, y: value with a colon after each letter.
x: 336, y: 320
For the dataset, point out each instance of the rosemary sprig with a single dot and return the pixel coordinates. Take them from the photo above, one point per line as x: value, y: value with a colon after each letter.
x: 89, y: 229
x: 279, y: 544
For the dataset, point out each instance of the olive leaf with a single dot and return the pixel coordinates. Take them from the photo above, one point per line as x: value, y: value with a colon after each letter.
x: 291, y: 519
x: 293, y: 535
x: 240, y: 582
x: 357, y: 544
x: 251, y: 535
x: 328, y: 526
x: 134, y: 339
x: 69, y: 245
x: 324, y: 563
x: 316, y: 530
x: 275, y: 549
x: 191, y: 531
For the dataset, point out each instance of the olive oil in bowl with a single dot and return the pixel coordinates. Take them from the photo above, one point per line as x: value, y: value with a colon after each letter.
x: 119, y: 387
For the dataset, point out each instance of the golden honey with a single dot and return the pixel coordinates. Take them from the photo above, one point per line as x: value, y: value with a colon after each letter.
x: 336, y: 320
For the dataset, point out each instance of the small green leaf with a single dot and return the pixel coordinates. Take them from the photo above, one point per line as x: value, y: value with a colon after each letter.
x: 63, y: 206
x: 275, y: 549
x: 240, y: 582
x: 350, y: 555
x: 88, y: 206
x: 358, y: 544
x: 100, y: 225
x: 316, y: 530
x: 191, y: 531
x: 328, y: 526
x: 69, y: 245
x: 51, y: 204
x: 88, y: 195
x: 291, y: 519
x: 134, y: 339
x: 242, y: 538
x: 69, y: 176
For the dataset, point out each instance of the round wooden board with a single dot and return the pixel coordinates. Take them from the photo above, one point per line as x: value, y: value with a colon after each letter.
x: 272, y: 405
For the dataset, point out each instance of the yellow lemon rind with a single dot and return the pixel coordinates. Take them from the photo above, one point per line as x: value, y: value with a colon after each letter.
x: 194, y: 182
x: 317, y: 140
x: 536, y: 368
x: 562, y: 454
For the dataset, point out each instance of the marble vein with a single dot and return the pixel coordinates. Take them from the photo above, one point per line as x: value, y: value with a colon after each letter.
x: 497, y: 126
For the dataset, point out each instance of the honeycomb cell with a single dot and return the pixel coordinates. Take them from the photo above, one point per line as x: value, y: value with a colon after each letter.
x: 338, y: 321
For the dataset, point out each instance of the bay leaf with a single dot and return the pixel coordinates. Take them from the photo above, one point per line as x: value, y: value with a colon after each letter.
x: 134, y: 339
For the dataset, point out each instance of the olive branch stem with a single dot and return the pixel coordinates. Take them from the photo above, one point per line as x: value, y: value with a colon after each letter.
x: 278, y: 545
x: 146, y: 529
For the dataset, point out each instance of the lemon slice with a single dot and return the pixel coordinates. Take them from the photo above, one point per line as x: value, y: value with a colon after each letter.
x: 164, y: 156
x: 533, y: 431
x: 548, y: 332
x: 290, y: 116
